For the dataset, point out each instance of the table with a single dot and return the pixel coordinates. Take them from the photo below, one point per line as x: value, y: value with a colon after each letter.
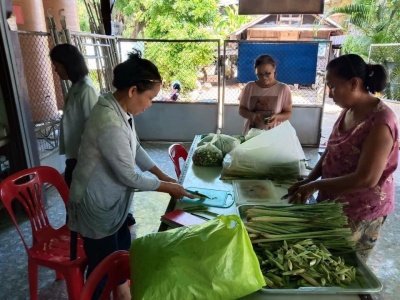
x: 208, y: 177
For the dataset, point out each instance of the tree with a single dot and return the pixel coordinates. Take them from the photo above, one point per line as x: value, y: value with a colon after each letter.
x: 83, y: 17
x: 175, y: 19
x: 375, y: 22
x: 230, y: 20
x: 180, y: 19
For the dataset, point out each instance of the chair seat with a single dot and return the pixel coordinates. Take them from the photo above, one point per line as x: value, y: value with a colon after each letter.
x: 56, y: 249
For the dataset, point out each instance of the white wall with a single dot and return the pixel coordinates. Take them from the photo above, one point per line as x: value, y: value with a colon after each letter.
x: 174, y: 121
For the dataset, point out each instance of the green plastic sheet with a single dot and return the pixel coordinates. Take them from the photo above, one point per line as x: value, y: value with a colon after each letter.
x: 214, y: 260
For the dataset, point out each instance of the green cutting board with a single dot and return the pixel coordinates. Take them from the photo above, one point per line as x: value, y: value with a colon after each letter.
x: 217, y: 198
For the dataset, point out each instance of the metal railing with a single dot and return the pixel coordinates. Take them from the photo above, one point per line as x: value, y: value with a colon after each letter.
x: 101, y: 54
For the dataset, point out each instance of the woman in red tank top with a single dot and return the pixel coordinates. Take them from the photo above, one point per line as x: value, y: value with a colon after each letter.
x: 362, y: 151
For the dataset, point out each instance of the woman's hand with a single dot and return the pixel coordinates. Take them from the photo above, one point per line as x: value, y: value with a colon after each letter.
x: 174, y: 189
x: 292, y: 189
x: 273, y: 121
x: 301, y: 191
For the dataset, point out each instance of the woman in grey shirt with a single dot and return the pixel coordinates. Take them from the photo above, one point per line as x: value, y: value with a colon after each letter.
x: 104, y: 178
x: 70, y: 64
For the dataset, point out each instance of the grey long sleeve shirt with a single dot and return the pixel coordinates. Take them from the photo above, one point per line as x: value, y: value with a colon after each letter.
x: 79, y: 102
x: 104, y: 177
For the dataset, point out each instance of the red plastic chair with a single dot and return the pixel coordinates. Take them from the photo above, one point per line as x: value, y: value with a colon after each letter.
x: 116, y: 268
x: 177, y: 151
x: 50, y: 247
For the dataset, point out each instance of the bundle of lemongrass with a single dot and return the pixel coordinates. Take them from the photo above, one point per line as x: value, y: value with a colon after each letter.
x: 324, y: 222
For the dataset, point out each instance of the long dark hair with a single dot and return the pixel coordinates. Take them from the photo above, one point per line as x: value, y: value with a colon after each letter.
x: 347, y: 66
x: 71, y: 59
x: 136, y: 71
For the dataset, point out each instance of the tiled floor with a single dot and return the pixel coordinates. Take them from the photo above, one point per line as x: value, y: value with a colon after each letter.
x: 148, y: 207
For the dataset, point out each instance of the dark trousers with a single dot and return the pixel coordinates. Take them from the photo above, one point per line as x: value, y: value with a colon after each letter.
x: 70, y: 165
x: 98, y: 249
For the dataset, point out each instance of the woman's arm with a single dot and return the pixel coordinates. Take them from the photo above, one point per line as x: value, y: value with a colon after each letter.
x: 245, y: 113
x: 161, y: 175
x: 373, y: 159
x: 145, y: 163
x: 116, y: 150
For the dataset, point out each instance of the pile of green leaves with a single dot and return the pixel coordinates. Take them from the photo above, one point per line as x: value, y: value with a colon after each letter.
x: 302, y: 264
x: 207, y: 155
x: 302, y: 245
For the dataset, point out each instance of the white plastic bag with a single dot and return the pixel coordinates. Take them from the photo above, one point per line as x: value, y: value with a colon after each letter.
x: 274, y: 154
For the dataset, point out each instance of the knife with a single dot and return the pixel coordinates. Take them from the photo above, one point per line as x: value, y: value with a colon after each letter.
x: 196, y: 193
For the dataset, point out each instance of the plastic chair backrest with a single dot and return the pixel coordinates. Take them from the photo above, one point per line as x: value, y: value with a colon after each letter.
x: 177, y: 151
x: 116, y: 267
x: 27, y: 187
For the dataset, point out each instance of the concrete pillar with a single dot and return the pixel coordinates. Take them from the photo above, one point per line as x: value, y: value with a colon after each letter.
x: 70, y: 12
x: 37, y: 65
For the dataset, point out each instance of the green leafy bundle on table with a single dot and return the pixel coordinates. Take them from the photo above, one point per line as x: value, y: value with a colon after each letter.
x: 302, y: 245
x: 304, y: 263
x: 212, y: 148
x: 207, y: 155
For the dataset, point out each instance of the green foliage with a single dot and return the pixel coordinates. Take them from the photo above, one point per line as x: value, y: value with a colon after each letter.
x: 357, y: 44
x: 230, y: 21
x: 175, y: 19
x: 179, y: 19
x: 375, y: 22
x: 83, y: 17
x: 389, y: 57
x: 180, y: 61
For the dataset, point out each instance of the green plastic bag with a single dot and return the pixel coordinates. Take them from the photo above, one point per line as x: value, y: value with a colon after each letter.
x: 214, y: 260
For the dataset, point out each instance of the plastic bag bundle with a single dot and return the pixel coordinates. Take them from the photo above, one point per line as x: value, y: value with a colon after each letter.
x: 223, y: 142
x: 207, y: 155
x: 252, y: 133
x: 273, y: 154
x: 214, y: 260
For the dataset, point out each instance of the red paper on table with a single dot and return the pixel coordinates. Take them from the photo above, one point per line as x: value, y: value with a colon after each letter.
x: 177, y: 218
